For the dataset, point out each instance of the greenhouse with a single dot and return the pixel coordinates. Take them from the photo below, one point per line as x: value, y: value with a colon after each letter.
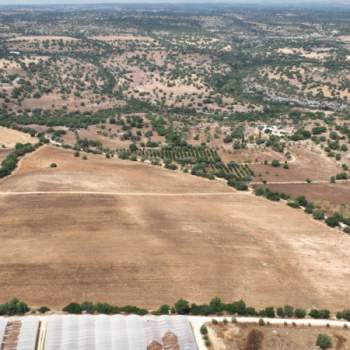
x: 89, y: 332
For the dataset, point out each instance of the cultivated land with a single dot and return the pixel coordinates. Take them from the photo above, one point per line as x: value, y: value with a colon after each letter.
x: 9, y: 138
x: 143, y: 228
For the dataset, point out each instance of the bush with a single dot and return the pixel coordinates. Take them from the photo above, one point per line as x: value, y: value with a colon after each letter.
x: 332, y: 221
x: 216, y: 305
x: 318, y: 215
x: 182, y: 307
x: 275, y: 163
x: 288, y: 311
x: 319, y: 314
x: 53, y: 165
x: 164, y: 310
x: 73, y: 308
x: 237, y: 307
x: 43, y: 309
x: 280, y: 312
x: 250, y: 311
x: 14, y: 307
x: 204, y: 330
x: 345, y: 314
x: 300, y: 313
x: 324, y: 341
x: 10, y: 162
x: 208, y: 343
x: 272, y: 196
x: 261, y: 322
x: 268, y: 312
x: 171, y: 166
x: 238, y: 185
x: 293, y: 204
x: 347, y: 230
x: 301, y: 200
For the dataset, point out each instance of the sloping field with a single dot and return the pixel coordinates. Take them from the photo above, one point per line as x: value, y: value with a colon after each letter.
x: 9, y: 137
x: 146, y: 236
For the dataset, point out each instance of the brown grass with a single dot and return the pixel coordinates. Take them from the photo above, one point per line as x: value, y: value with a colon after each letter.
x: 308, y: 164
x: 253, y: 337
x: 9, y: 137
x: 154, y: 248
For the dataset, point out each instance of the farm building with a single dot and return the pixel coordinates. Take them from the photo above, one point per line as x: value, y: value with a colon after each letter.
x: 102, y: 332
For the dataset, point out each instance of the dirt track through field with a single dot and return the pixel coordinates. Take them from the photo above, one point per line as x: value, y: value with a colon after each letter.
x: 128, y: 233
x: 142, y: 194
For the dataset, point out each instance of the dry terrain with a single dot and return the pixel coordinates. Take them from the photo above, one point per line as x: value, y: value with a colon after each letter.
x: 307, y: 164
x: 253, y: 337
x: 9, y: 137
x: 170, y: 235
x: 330, y: 197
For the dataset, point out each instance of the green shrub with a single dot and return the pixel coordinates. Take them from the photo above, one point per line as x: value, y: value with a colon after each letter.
x: 300, y: 313
x: 182, y: 307
x: 324, y: 313
x: 14, y: 307
x: 204, y: 330
x: 288, y: 311
x: 208, y: 343
x: 332, y: 221
x: 261, y: 322
x: 309, y: 208
x: 301, y: 200
x: 345, y: 314
x: 73, y: 308
x: 268, y: 312
x: 238, y: 185
x: 275, y: 163
x: 293, y: 204
x: 324, y: 341
x: 347, y: 230
x: 43, y: 309
x: 318, y: 215
x: 164, y: 310
x: 280, y: 312
x: 171, y: 166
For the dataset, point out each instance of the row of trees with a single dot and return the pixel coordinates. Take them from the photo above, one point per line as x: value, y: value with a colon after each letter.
x: 334, y: 220
x: 181, y: 307
x: 10, y: 162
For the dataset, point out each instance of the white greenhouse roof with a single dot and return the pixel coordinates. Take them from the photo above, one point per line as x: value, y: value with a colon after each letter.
x: 3, y: 323
x: 28, y: 333
x: 102, y: 332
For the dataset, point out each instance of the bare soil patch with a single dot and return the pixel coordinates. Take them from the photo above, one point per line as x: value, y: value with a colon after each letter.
x: 328, y: 196
x: 253, y: 337
x: 308, y: 164
x: 57, y: 248
x: 9, y: 137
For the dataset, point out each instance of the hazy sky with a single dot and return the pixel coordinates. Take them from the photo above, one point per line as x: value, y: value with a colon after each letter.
x: 14, y: 2
x: 266, y: 2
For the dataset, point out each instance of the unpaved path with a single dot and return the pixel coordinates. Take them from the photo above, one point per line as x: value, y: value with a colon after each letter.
x: 295, y: 182
x: 188, y: 194
x: 198, y: 321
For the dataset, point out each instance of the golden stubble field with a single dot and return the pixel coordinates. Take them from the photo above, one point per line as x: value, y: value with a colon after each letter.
x: 147, y: 236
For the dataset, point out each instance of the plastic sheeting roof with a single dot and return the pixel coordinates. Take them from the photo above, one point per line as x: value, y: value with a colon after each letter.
x: 3, y: 323
x: 28, y: 333
x: 102, y: 332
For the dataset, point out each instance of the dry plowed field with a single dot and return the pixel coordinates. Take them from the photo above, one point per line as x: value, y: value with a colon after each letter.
x: 146, y: 236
